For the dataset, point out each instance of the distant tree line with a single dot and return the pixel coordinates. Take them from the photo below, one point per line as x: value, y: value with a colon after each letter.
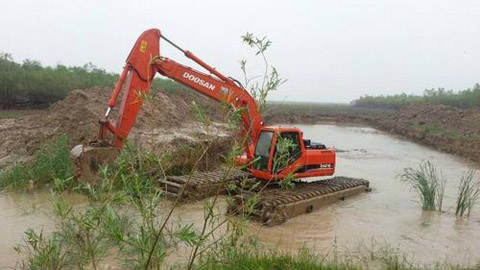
x: 30, y: 84
x: 462, y: 99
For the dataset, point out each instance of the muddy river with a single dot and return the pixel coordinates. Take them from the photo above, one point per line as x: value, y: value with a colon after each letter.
x: 390, y: 215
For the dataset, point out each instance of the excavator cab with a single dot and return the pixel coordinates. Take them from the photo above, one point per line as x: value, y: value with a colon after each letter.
x: 282, y: 151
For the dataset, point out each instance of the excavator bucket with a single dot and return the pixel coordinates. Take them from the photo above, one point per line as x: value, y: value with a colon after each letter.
x: 89, y: 159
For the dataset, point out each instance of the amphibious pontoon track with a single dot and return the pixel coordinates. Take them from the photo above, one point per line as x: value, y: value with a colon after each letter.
x: 275, y: 205
x: 272, y: 205
x: 198, y: 186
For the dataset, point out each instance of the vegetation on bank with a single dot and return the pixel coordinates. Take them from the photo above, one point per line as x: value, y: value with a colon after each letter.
x: 30, y: 84
x: 51, y: 163
x: 467, y: 98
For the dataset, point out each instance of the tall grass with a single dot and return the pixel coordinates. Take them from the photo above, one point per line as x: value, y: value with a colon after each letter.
x: 251, y: 258
x: 468, y: 194
x: 50, y: 164
x: 428, y: 183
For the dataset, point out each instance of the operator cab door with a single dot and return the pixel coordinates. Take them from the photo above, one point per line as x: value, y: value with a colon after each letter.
x: 275, y: 151
x: 263, y: 151
x: 288, y: 149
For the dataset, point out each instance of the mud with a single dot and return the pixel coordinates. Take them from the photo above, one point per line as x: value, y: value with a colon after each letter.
x: 165, y: 123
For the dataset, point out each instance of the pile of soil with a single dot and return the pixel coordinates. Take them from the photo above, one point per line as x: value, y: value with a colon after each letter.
x: 166, y: 117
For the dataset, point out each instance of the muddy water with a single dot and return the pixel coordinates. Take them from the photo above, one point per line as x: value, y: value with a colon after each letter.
x: 389, y: 215
x: 19, y: 212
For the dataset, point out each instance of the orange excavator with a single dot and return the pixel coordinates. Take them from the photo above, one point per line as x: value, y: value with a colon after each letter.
x: 306, y: 158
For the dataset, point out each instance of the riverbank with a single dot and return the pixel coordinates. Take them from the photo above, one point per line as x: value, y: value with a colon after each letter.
x: 448, y: 129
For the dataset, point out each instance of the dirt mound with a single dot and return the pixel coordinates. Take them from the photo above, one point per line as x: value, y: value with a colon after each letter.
x: 162, y: 119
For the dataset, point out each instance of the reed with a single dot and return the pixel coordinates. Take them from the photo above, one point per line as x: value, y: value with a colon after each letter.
x: 428, y: 183
x: 468, y: 193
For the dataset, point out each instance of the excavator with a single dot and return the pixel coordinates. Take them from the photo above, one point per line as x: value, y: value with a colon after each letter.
x: 144, y: 61
x: 306, y: 158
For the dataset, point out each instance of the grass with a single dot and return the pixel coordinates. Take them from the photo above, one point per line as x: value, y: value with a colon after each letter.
x: 252, y: 258
x: 256, y: 257
x: 428, y: 183
x: 468, y: 194
x: 51, y: 163
x: 245, y: 260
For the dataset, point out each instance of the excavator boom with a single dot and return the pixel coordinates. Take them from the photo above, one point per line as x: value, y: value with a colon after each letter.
x: 144, y: 61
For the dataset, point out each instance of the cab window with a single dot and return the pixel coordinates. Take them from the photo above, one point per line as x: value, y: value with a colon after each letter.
x: 262, y: 150
x: 287, y: 150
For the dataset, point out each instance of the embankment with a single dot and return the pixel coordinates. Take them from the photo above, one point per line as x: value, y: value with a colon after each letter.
x: 445, y: 128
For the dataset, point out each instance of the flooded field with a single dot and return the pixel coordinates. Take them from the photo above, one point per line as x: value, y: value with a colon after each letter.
x: 389, y: 215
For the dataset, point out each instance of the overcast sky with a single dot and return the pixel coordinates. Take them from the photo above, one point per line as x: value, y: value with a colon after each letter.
x: 330, y: 51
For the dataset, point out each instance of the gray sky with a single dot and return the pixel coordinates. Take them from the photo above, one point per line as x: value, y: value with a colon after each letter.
x: 330, y: 51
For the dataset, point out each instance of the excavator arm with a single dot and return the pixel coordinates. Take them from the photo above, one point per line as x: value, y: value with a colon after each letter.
x: 144, y: 61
